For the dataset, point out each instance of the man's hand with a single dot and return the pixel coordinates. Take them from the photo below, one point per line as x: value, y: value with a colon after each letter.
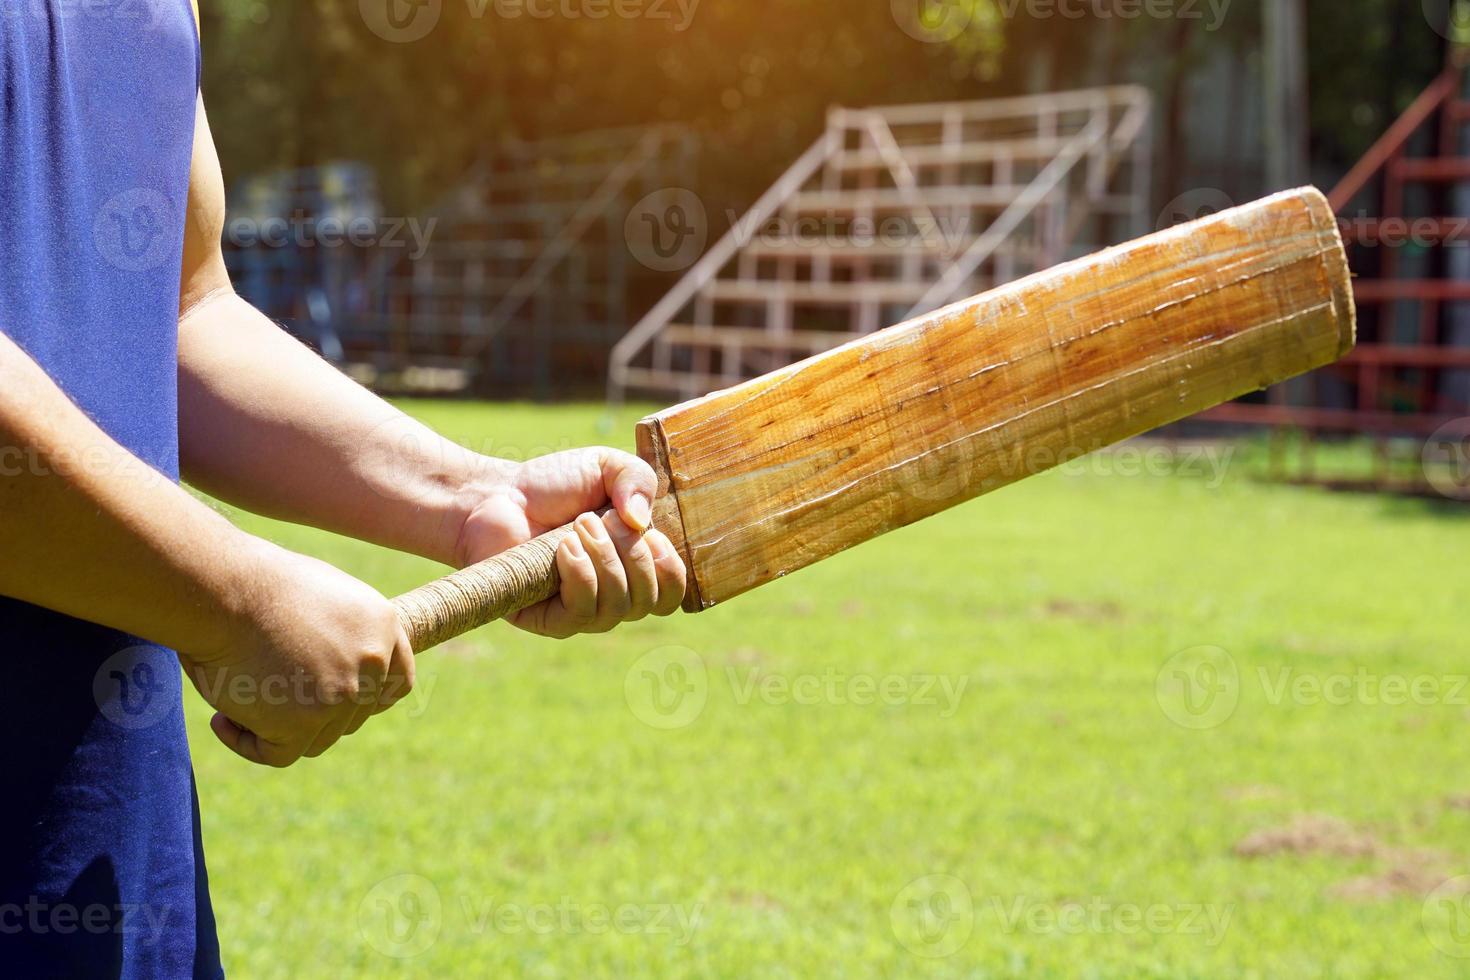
x: 316, y: 654
x: 615, y: 569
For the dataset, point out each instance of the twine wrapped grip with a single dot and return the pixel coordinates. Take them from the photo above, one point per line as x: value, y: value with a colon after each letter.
x: 483, y: 593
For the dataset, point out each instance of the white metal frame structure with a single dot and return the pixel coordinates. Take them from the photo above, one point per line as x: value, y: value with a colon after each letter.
x: 893, y: 212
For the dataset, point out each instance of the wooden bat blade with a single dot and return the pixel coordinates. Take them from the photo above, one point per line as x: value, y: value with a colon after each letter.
x: 772, y: 475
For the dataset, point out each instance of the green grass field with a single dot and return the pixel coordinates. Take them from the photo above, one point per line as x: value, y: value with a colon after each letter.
x: 983, y: 746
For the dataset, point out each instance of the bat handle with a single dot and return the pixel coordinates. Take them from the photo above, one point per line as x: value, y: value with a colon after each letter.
x: 482, y: 593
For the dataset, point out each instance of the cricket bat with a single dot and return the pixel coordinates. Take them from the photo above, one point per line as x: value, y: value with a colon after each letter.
x: 768, y: 477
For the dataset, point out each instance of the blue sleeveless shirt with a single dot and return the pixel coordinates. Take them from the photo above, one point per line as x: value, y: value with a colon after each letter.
x: 101, y: 871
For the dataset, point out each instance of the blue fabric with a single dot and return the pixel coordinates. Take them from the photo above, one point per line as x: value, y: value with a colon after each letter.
x: 101, y: 871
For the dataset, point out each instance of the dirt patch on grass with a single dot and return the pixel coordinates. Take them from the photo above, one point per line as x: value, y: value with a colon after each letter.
x: 1310, y: 834
x: 759, y: 901
x: 1088, y: 612
x: 1401, y: 872
x: 1251, y: 793
x: 740, y: 657
x: 1411, y: 873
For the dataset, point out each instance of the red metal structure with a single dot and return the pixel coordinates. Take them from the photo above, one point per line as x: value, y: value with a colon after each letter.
x: 1400, y: 385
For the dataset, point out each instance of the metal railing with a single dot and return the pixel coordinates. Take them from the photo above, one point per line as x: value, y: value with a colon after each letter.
x: 974, y: 193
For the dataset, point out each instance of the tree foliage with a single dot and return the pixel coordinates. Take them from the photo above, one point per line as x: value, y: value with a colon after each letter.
x: 293, y: 82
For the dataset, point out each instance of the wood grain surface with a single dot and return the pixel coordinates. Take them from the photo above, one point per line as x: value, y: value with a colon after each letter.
x: 772, y: 475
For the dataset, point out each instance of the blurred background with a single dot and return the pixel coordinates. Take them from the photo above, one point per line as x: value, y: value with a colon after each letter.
x: 558, y: 199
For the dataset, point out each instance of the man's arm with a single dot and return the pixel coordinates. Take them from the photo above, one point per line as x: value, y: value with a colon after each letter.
x: 91, y: 531
x: 267, y: 424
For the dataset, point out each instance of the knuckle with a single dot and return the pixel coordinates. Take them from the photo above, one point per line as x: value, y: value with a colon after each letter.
x: 378, y: 660
x: 619, y: 604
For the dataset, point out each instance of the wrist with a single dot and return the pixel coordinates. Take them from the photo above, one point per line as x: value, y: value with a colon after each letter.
x: 234, y: 586
x: 422, y: 488
x: 485, y: 483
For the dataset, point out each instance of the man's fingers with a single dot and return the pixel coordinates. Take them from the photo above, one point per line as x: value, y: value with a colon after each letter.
x: 578, y: 581
x: 612, y: 582
x: 333, y: 731
x: 402, y: 674
x: 638, y: 569
x: 576, y: 607
x: 631, y: 485
x: 669, y: 568
x: 250, y: 747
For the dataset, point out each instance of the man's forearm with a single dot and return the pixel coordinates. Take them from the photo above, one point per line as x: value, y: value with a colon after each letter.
x: 89, y: 530
x: 267, y: 424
